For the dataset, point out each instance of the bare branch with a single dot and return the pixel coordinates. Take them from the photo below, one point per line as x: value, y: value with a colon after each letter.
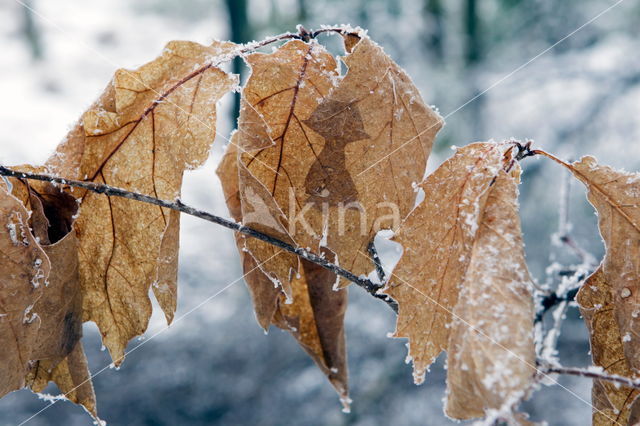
x: 302, y: 34
x: 376, y: 261
x: 368, y: 285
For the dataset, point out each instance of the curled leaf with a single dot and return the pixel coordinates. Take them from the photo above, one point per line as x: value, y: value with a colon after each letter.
x: 491, y: 355
x: 316, y: 319
x: 438, y: 238
x: 54, y: 353
x: 24, y: 268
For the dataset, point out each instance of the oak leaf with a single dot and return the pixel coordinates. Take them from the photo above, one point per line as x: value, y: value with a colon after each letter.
x: 148, y: 126
x: 438, y: 238
x: 611, y: 403
x: 314, y: 314
x: 490, y: 355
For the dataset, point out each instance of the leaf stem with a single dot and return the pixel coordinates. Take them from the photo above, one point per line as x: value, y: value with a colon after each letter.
x: 368, y: 285
x: 590, y: 185
x: 373, y: 252
x: 302, y: 34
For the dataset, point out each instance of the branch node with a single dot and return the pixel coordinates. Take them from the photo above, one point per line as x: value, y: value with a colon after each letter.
x: 304, y: 34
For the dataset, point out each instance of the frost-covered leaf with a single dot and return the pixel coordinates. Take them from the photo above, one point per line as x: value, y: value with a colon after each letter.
x: 378, y: 135
x: 339, y: 155
x: 306, y: 139
x: 316, y: 319
x: 491, y: 356
x: 277, y: 150
x: 60, y: 307
x: 438, y: 238
x: 264, y: 292
x: 55, y: 352
x: 24, y: 268
x: 316, y: 312
x: 148, y: 126
x: 611, y: 402
x: 616, y: 197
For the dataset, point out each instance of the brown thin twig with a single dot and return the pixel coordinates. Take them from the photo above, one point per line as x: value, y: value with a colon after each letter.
x: 592, y: 374
x: 593, y: 185
x: 368, y: 285
x: 377, y: 263
x: 302, y: 34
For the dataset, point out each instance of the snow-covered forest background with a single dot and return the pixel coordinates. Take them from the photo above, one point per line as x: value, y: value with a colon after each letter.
x: 214, y: 365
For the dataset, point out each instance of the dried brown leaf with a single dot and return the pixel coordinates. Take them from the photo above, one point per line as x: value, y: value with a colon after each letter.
x: 616, y: 197
x: 24, y: 268
x: 438, y: 238
x: 276, y: 150
x: 491, y: 355
x: 60, y: 307
x: 264, y: 293
x: 611, y: 402
x: 148, y: 126
x: 71, y: 375
x: 57, y: 353
x: 316, y: 312
x: 261, y: 212
x: 315, y: 318
x: 308, y: 137
x: 165, y: 287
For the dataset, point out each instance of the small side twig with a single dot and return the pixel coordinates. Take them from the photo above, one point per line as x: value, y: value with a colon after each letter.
x: 302, y: 34
x: 178, y: 205
x: 524, y: 150
x: 378, y: 264
x: 593, y: 374
x: 552, y: 300
x: 549, y: 349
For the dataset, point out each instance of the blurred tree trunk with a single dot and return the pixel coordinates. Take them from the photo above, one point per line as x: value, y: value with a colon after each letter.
x: 473, y: 57
x: 274, y: 13
x: 363, y: 14
x: 32, y: 32
x: 240, y: 32
x: 473, y: 44
x: 303, y: 12
x: 433, y: 16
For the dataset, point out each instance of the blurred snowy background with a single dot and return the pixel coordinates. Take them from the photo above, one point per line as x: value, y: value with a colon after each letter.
x: 214, y: 365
